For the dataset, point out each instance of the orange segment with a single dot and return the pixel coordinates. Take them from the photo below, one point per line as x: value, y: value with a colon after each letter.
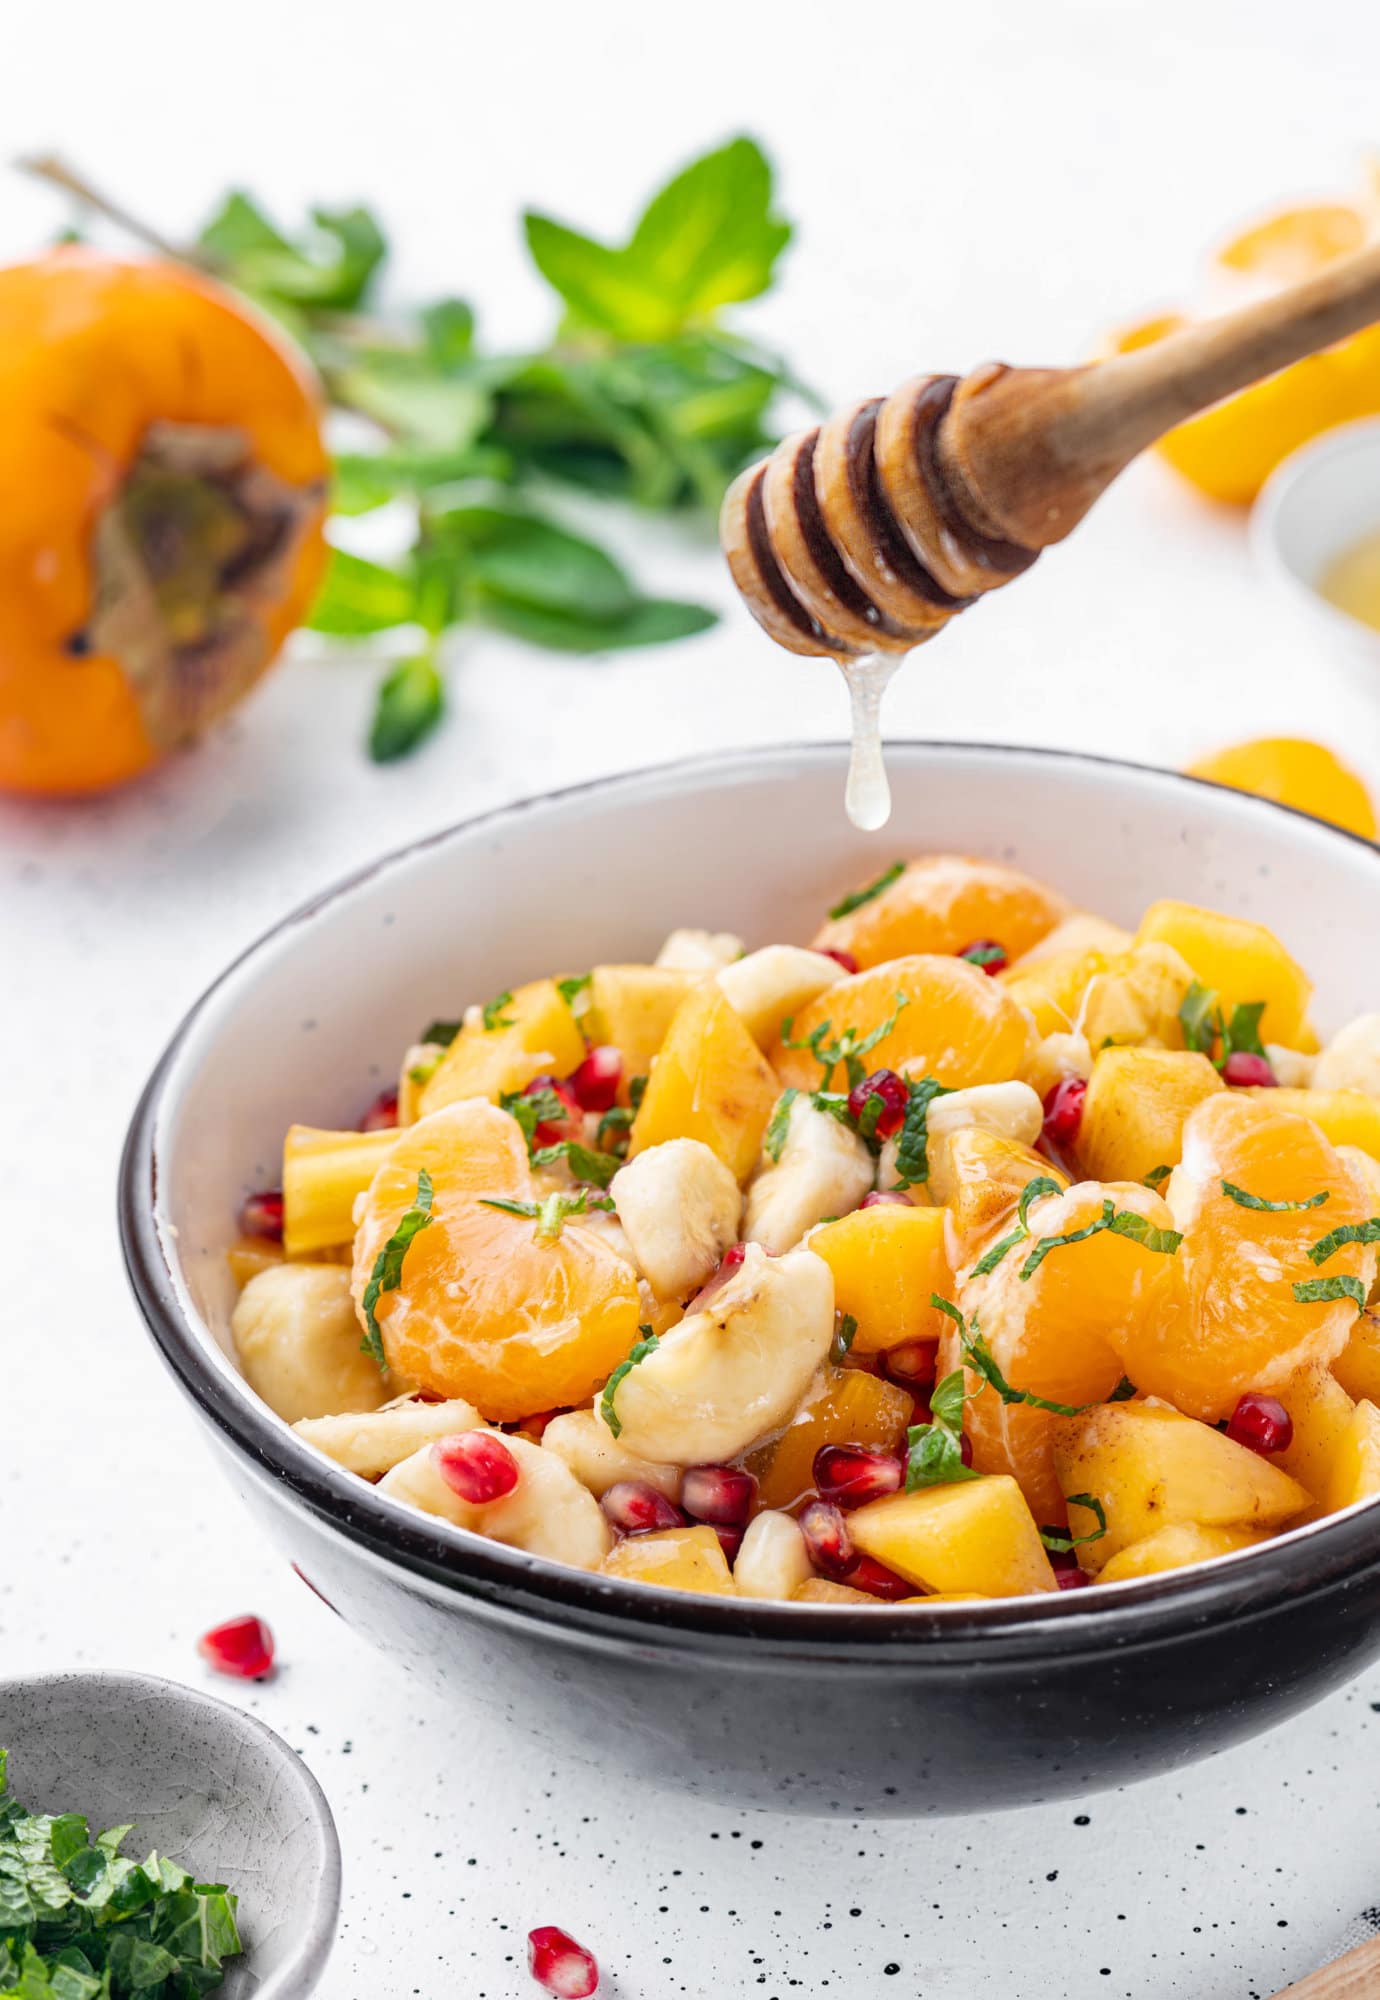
x: 1056, y: 1332
x: 942, y: 903
x: 1296, y: 773
x: 987, y: 1174
x: 1229, y: 1320
x: 1294, y: 242
x: 886, y: 1263
x: 486, y: 1310
x: 845, y: 1406
x: 956, y: 1024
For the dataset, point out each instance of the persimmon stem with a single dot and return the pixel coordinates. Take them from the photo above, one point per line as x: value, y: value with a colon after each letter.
x: 56, y: 172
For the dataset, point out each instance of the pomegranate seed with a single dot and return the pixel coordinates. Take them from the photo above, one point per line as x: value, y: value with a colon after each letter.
x: 594, y: 1084
x: 1242, y: 1069
x: 826, y: 1537
x: 987, y: 955
x: 551, y: 1131
x: 722, y: 1494
x: 843, y: 958
x: 912, y: 1364
x: 262, y: 1215
x: 865, y: 1573
x: 1072, y: 1578
x: 730, y: 1540
x: 893, y: 1096
x: 885, y: 1198
x: 638, y: 1509
x: 1261, y: 1423
x: 476, y: 1465
x: 563, y: 1967
x: 965, y: 1448
x: 241, y: 1648
x: 728, y: 1264
x: 382, y: 1113
x: 851, y: 1474
x: 1064, y: 1110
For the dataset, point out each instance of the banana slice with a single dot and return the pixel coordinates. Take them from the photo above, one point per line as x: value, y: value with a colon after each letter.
x: 768, y: 986
x: 1351, y: 1060
x: 679, y: 1207
x: 548, y: 1513
x: 600, y: 1461
x: 374, y: 1443
x: 297, y: 1338
x: 824, y: 1169
x: 699, y: 951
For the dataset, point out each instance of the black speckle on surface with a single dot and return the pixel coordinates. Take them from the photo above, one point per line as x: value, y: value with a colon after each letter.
x: 1082, y: 1819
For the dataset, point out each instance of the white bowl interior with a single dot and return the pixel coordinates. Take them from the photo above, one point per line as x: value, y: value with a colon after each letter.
x: 1323, y: 500
x: 314, y: 1020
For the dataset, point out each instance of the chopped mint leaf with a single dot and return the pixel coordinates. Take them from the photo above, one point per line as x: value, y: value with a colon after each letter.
x: 1244, y: 1200
x: 913, y: 1139
x: 1317, y: 1291
x: 648, y: 1344
x: 597, y: 1168
x: 1348, y: 1232
x: 935, y: 1450
x: 386, y: 1275
x: 985, y: 954
x: 1031, y: 1192
x: 551, y: 1214
x: 845, y: 1333
x: 1122, y: 1222
x: 1060, y: 1543
x: 1243, y: 1030
x: 612, y: 1131
x: 572, y: 990
x: 867, y: 895
x: 532, y: 1108
x: 1123, y: 1391
x: 845, y: 1048
x: 946, y: 1404
x: 1199, y: 1018
x: 494, y: 1016
x: 637, y: 1090
x: 1157, y: 1176
x: 443, y: 1033
x: 774, y: 1138
x: 1208, y: 1031
x: 990, y: 1259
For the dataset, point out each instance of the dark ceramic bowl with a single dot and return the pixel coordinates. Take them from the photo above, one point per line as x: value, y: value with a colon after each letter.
x: 801, y: 1707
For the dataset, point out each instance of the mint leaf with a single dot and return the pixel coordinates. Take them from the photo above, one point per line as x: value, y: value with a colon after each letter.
x: 359, y: 597
x: 856, y: 900
x: 1062, y: 1543
x: 1032, y: 1192
x: 1348, y: 1232
x: 1319, y: 1291
x: 512, y: 554
x: 647, y: 1345
x: 913, y: 1140
x: 1245, y: 1200
x: 934, y: 1458
x: 552, y: 1213
x: 1122, y: 1222
x: 386, y: 1275
x: 411, y: 701
x: 441, y: 1032
x: 1157, y: 1176
x: 774, y: 1138
x: 572, y: 990
x: 845, y: 1333
x: 652, y: 621
x: 1200, y: 1018
x: 597, y: 1168
x: 493, y: 1014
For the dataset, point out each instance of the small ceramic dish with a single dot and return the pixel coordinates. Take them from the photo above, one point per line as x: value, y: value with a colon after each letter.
x: 205, y: 1784
x: 1318, y: 504
x: 818, y: 1708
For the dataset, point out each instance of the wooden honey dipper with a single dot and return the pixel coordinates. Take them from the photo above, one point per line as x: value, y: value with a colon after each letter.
x: 868, y: 533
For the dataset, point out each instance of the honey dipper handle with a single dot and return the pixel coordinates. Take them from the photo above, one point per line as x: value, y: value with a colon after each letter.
x: 1033, y: 448
x: 1354, y: 1977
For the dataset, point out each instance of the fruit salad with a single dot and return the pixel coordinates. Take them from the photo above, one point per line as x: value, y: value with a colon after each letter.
x: 979, y: 1248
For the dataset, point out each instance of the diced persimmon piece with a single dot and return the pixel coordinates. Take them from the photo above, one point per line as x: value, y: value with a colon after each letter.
x: 1135, y: 999
x: 1239, y: 960
x: 486, y: 1308
x: 1321, y: 1411
x: 710, y: 1082
x: 1357, y: 1367
x: 1356, y: 1468
x: 248, y: 1255
x: 886, y: 1263
x: 631, y: 1008
x: 956, y: 1024
x: 1054, y: 1333
x: 977, y: 1536
x: 1230, y: 1320
x: 820, y: 1590
x: 1080, y: 933
x: 1151, y: 1467
x: 534, y: 1034
x: 324, y: 1173
x: 988, y: 1175
x: 1346, y: 1117
x: 844, y: 1406
x: 1176, y: 1547
x: 1134, y: 1112
x: 942, y: 903
x: 674, y: 1558
x: 1052, y: 986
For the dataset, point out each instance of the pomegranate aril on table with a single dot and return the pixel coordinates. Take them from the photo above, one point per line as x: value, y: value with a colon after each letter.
x: 594, y: 1085
x: 241, y: 1648
x: 879, y: 1103
x: 262, y: 1215
x: 852, y: 1474
x: 382, y: 1113
x: 561, y: 1965
x: 722, y: 1495
x: 1244, y: 1071
x: 476, y: 1465
x: 1262, y: 1424
x: 635, y: 1508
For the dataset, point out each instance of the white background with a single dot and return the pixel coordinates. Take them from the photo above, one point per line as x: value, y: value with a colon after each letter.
x: 970, y: 180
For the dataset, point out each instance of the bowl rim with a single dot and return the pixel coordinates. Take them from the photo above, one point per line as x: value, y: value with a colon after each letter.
x: 1358, y: 434
x: 316, y: 1934
x: 1321, y: 1556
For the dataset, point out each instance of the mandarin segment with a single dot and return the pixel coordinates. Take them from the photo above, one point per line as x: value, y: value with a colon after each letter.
x: 943, y: 903
x: 1230, y: 1320
x: 987, y: 1175
x: 951, y: 1022
x: 485, y: 1308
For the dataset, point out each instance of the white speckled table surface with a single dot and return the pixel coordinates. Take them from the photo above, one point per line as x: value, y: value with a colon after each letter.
x: 1067, y: 178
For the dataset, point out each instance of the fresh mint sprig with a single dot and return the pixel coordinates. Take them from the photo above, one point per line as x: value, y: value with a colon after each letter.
x: 386, y: 1275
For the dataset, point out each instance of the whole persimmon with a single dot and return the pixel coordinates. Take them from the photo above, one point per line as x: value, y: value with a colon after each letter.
x: 162, y: 496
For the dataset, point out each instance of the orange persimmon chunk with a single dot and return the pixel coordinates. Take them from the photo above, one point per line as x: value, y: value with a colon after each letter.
x: 887, y: 1261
